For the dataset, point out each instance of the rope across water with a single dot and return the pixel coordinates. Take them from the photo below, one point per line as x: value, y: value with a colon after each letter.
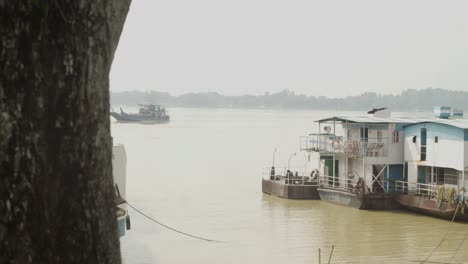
x: 170, y: 228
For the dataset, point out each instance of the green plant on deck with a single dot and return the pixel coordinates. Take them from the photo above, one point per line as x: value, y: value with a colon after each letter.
x: 445, y: 195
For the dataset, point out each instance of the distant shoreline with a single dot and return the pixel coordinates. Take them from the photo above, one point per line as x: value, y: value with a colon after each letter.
x: 409, y: 100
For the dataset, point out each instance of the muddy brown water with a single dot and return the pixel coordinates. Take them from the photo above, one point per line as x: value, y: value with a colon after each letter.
x: 201, y: 174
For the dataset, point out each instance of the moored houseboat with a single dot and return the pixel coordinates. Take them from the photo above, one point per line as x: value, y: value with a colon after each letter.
x: 357, y: 157
x: 436, y: 160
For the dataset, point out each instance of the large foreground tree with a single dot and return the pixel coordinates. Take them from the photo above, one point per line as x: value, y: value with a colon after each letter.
x: 56, y: 192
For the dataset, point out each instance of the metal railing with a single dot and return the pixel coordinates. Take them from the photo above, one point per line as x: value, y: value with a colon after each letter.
x: 371, y: 147
x: 337, y: 183
x: 428, y: 190
x: 400, y: 186
x: 420, y: 189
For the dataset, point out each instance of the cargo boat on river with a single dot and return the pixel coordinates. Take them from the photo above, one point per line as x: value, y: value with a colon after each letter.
x: 147, y: 113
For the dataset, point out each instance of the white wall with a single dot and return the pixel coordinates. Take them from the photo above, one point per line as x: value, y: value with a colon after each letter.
x: 412, y: 174
x: 412, y: 150
x: 356, y: 166
x: 352, y: 132
x: 465, y: 154
x: 119, y: 168
x: 395, y: 150
x: 312, y: 162
x: 448, y: 152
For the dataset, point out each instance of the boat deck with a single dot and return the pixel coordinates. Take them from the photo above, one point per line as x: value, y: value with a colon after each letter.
x: 290, y: 191
x: 368, y: 201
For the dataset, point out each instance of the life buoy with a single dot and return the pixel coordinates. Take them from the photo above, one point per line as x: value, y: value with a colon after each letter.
x: 314, y: 174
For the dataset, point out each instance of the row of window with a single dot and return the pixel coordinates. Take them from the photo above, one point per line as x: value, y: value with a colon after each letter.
x: 364, y: 135
x: 443, y: 176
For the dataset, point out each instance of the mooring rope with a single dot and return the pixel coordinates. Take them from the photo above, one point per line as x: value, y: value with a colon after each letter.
x: 443, y: 239
x: 458, y: 248
x: 170, y: 228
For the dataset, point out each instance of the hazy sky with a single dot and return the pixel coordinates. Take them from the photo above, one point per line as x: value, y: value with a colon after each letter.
x: 331, y: 48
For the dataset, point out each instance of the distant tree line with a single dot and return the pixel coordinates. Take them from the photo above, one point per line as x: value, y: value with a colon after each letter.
x: 408, y: 100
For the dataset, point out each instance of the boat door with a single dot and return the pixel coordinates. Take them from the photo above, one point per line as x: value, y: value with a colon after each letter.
x: 364, y: 133
x: 330, y: 169
x: 421, y: 174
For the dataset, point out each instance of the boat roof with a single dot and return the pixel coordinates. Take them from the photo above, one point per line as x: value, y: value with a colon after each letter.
x: 367, y: 119
x: 406, y: 121
x: 458, y: 122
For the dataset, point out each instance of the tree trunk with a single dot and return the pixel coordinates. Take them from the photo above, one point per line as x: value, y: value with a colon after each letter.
x: 56, y: 191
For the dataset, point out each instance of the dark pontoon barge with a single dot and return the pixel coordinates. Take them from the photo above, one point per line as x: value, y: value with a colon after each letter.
x: 287, y: 184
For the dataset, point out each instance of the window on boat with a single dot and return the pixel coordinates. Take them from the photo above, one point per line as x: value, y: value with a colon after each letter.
x: 396, y: 136
x: 379, y: 136
x: 445, y: 176
x: 405, y: 173
x: 450, y: 176
x: 414, y: 139
x: 423, y: 143
x: 439, y: 175
x: 436, y: 139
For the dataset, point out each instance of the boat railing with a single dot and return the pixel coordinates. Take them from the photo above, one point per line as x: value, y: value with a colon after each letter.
x: 345, y: 184
x: 401, y: 187
x: 330, y: 144
x: 420, y: 189
x: 428, y: 190
x: 337, y: 183
x: 290, y: 176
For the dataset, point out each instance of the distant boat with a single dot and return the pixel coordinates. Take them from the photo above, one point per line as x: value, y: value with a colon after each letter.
x: 147, y: 113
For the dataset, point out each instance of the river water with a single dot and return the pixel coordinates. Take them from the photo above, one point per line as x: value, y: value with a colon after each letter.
x: 201, y: 173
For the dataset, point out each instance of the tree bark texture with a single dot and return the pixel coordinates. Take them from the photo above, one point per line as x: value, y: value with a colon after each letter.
x: 56, y: 191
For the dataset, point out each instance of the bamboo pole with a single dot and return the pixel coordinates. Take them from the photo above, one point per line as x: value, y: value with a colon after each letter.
x: 320, y: 257
x: 331, y: 253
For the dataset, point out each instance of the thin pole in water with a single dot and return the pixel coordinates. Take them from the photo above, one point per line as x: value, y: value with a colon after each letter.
x: 320, y: 257
x: 331, y: 253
